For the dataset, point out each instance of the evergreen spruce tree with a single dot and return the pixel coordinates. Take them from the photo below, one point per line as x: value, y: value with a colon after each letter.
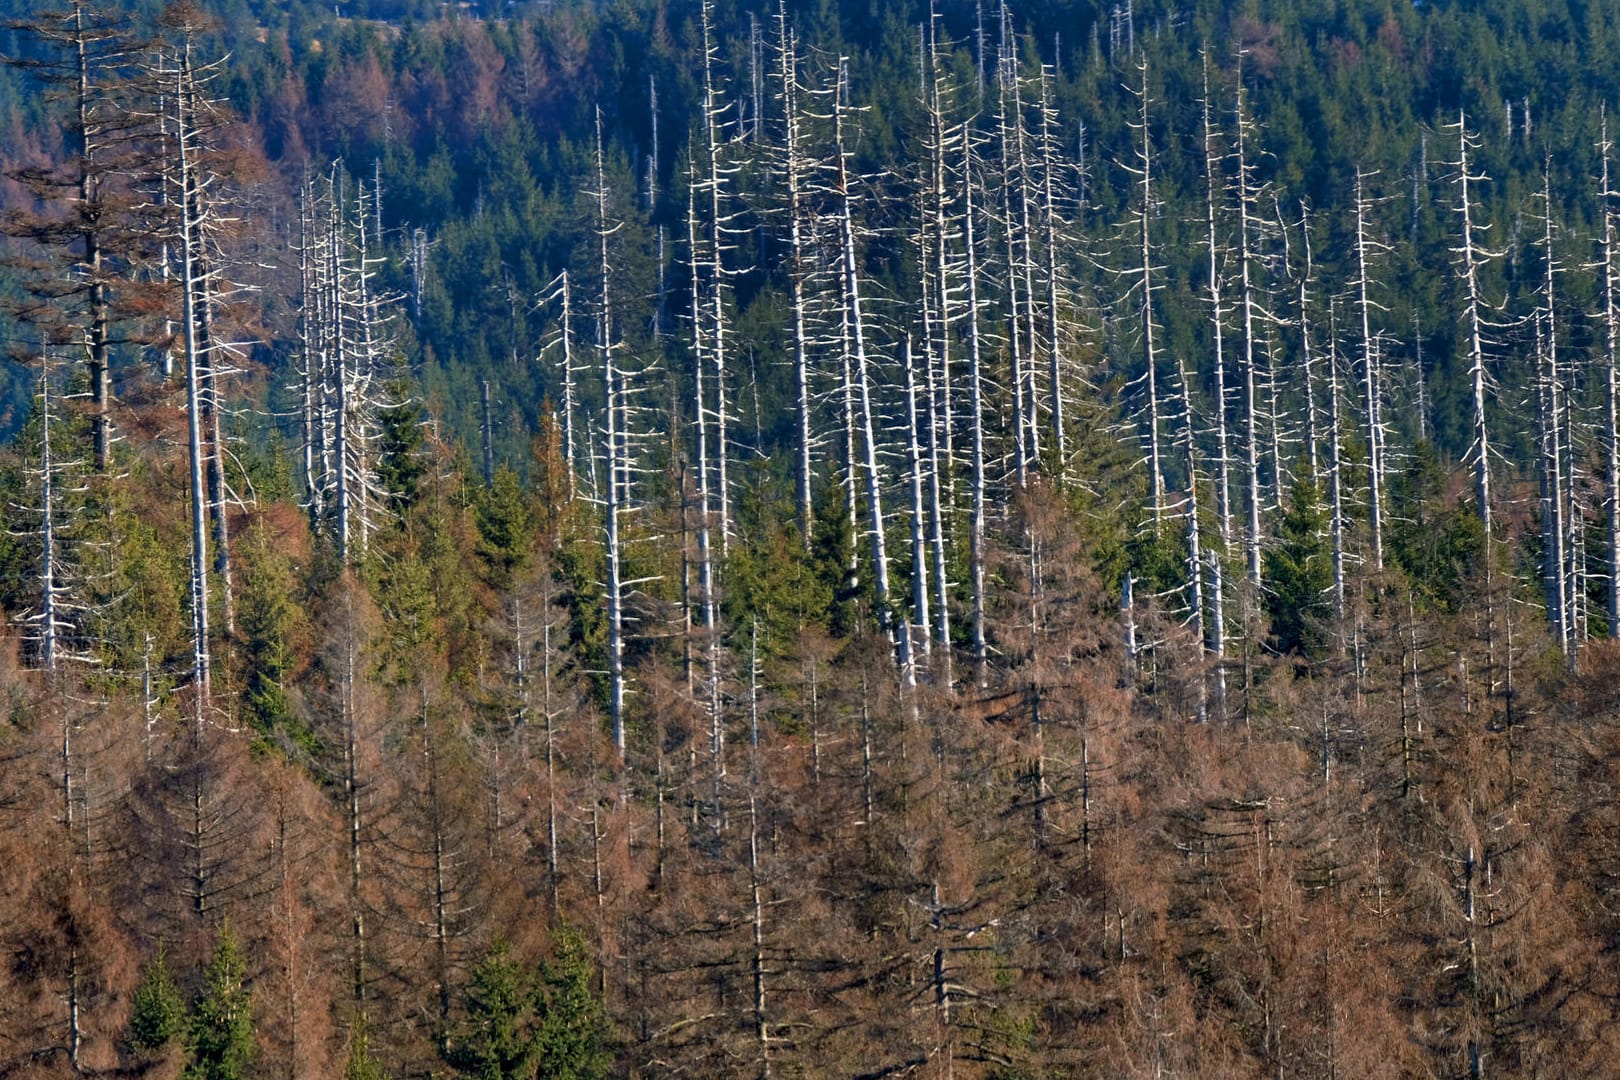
x: 1299, y: 575
x: 157, y: 1012
x: 220, y: 1040
x: 524, y: 1024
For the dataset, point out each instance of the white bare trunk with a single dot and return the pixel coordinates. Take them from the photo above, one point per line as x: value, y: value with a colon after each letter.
x: 1471, y: 257
x: 1307, y: 353
x: 614, y: 454
x: 1611, y: 377
x: 1195, y: 547
x: 1213, y: 184
x: 1370, y: 376
x: 1009, y: 133
x: 856, y: 344
x: 1049, y: 223
x: 703, y: 339
x: 976, y: 462
x: 713, y: 109
x: 191, y: 284
x: 798, y: 269
x: 1150, y: 359
x: 916, y: 472
x: 1335, y: 476
x: 1560, y: 513
x: 941, y: 420
x: 1247, y: 195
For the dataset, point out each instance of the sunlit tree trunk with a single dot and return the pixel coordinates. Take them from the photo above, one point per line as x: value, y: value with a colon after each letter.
x: 1247, y: 200
x: 976, y: 405
x: 793, y: 168
x: 713, y: 111
x: 193, y: 277
x: 1049, y: 225
x: 1213, y: 185
x: 614, y: 453
x: 1470, y: 258
x: 1611, y: 378
x: 916, y: 471
x: 1146, y: 271
x: 856, y: 321
x: 1372, y: 401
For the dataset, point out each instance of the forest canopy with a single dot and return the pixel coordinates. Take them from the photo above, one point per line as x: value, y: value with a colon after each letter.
x: 555, y: 539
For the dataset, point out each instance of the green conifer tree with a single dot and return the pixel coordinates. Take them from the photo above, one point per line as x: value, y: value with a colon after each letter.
x: 221, y: 1036
x: 1299, y: 575
x: 157, y: 1012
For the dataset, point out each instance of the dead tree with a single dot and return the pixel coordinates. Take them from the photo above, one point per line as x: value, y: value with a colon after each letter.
x: 52, y: 623
x: 1195, y: 546
x: 1051, y: 227
x: 346, y: 347
x: 793, y: 173
x: 83, y: 64
x: 1145, y: 272
x: 1214, y: 186
x: 1470, y: 257
x: 855, y: 320
x: 195, y: 219
x: 1371, y: 378
x: 560, y: 291
x: 1019, y: 262
x: 1611, y: 375
x: 977, y: 464
x: 1560, y: 512
x: 936, y: 238
x: 712, y: 185
x: 615, y: 453
x: 1248, y: 195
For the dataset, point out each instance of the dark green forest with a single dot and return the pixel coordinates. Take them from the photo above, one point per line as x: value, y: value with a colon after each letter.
x: 547, y: 539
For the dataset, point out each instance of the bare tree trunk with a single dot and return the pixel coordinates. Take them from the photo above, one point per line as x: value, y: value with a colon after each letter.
x: 1217, y: 625
x: 1559, y: 506
x: 702, y: 343
x: 192, y: 276
x: 1195, y: 547
x: 550, y: 714
x: 757, y: 893
x: 1144, y: 174
x: 1007, y: 120
x: 1049, y: 222
x: 1217, y: 313
x: 976, y: 462
x: 941, y: 421
x: 1611, y: 374
x: 1335, y: 480
x: 613, y: 452
x: 309, y: 330
x: 712, y: 109
x: 1307, y: 354
x: 919, y: 546
x: 792, y: 179
x: 349, y: 681
x: 1471, y: 258
x: 50, y: 585
x: 1246, y: 198
x: 857, y: 346
x: 652, y: 206
x: 213, y: 420
x: 340, y: 359
x: 1370, y: 374
x: 94, y: 47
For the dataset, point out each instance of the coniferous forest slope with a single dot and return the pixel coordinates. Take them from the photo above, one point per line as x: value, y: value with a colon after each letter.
x: 851, y: 540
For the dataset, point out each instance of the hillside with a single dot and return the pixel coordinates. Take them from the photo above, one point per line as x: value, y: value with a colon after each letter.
x: 579, y: 540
